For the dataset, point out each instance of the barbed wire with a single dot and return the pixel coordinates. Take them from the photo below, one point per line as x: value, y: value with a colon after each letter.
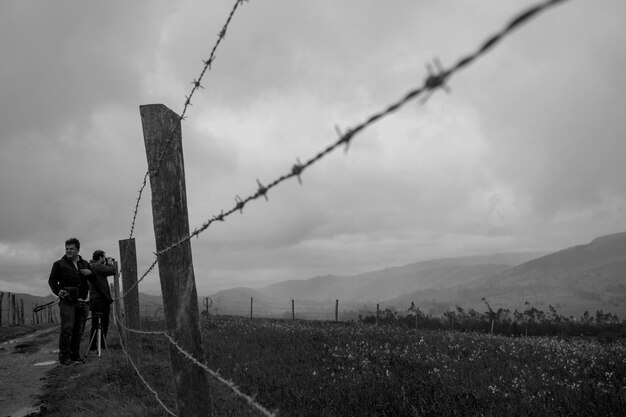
x: 436, y: 78
x: 196, y: 86
x: 230, y: 384
x: 156, y: 394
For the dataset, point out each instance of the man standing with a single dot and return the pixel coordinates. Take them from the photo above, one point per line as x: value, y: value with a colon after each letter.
x: 67, y: 281
x: 99, y: 293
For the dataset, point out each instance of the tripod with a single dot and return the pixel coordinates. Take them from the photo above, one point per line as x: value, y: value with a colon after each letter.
x: 97, y: 334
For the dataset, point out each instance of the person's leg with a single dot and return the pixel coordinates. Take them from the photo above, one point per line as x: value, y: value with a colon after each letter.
x: 80, y: 318
x: 66, y: 312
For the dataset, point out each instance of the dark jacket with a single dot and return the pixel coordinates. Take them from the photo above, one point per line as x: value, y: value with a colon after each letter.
x: 98, y: 283
x: 65, y: 275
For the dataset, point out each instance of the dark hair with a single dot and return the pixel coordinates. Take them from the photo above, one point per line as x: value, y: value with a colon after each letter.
x: 73, y: 241
x: 97, y: 255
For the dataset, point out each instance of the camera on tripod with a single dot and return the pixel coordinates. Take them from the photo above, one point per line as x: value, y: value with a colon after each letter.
x: 109, y: 261
x: 97, y: 339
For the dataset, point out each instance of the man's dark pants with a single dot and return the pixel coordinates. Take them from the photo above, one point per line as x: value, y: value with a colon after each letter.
x: 99, y: 305
x: 73, y: 318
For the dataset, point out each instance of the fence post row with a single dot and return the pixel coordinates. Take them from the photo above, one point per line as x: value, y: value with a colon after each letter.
x: 164, y: 152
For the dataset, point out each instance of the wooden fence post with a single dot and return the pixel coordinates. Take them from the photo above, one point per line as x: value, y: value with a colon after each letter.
x: 293, y: 310
x: 128, y: 259
x: 13, y: 310
x: 336, y: 311
x: 377, y: 313
x: 251, y: 303
x: 1, y: 297
x: 164, y: 152
x: 117, y: 306
x: 206, y: 305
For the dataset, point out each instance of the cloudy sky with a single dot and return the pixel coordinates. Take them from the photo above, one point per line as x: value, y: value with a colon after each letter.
x: 525, y: 153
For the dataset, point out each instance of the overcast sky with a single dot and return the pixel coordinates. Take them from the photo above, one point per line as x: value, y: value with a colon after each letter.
x: 525, y: 153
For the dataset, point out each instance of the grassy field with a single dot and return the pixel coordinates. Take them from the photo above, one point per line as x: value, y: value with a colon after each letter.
x: 341, y: 369
x: 328, y: 369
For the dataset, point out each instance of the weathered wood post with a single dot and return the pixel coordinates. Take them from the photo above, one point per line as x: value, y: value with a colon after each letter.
x: 22, y: 318
x: 1, y: 297
x: 164, y: 151
x: 336, y: 311
x: 130, y: 299
x: 377, y: 313
x: 117, y: 305
x: 13, y: 310
x: 128, y: 259
x: 206, y: 306
x: 293, y: 310
x: 251, y: 303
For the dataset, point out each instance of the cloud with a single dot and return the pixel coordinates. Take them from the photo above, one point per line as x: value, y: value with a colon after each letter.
x: 524, y: 153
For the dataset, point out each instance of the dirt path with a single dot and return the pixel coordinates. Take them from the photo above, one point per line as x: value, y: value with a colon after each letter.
x: 23, y: 363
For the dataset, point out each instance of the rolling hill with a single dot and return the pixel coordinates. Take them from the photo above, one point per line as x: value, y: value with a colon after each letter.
x: 590, y: 277
x: 391, y: 282
x: 316, y: 296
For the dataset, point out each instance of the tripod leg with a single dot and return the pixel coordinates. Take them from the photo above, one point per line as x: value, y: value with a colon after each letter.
x: 89, y: 345
x: 99, y: 331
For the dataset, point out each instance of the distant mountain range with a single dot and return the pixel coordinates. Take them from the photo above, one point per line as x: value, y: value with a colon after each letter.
x: 589, y: 277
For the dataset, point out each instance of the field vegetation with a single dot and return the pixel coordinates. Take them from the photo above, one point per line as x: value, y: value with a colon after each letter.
x: 312, y: 368
x: 346, y: 369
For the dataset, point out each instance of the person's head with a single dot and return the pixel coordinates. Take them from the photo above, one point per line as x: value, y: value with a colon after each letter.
x: 98, y: 255
x: 72, y: 247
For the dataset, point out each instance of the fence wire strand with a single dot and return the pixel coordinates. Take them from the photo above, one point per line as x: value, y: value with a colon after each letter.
x: 196, y: 86
x: 230, y: 384
x: 156, y: 394
x: 436, y: 78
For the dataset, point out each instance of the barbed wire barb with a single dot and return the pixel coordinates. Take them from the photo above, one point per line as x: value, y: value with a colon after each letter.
x: 262, y: 190
x: 296, y: 170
